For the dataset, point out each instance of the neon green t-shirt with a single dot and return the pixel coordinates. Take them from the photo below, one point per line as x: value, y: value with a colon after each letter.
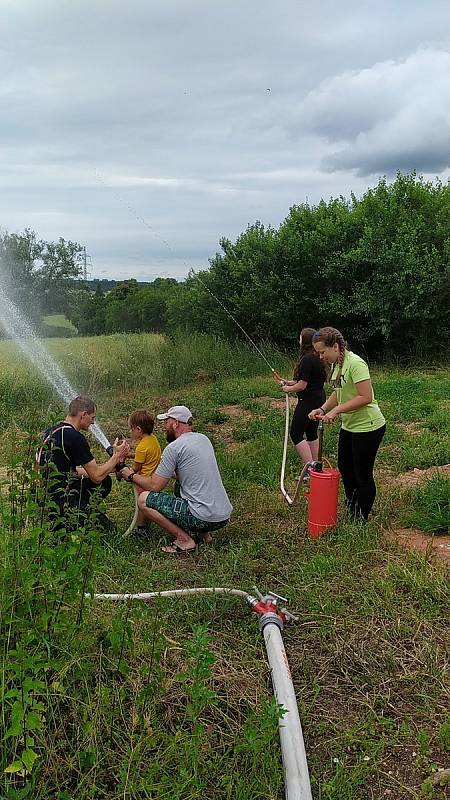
x: 367, y: 418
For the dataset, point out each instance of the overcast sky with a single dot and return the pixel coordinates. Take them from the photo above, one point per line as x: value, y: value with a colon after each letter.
x: 148, y: 129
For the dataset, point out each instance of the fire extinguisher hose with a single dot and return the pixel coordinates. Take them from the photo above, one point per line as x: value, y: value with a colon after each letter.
x: 289, y: 500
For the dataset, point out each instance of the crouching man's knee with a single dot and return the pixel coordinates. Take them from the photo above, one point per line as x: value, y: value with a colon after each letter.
x: 142, y: 500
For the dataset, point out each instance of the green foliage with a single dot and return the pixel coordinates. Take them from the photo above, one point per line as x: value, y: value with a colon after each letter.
x: 129, y: 306
x: 39, y: 276
x: 444, y: 735
x: 430, y: 506
x: 43, y: 576
x: 377, y: 267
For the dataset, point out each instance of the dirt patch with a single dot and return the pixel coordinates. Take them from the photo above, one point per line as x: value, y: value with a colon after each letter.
x: 412, y: 539
x: 224, y: 430
x: 236, y: 412
x: 416, y: 476
x: 278, y: 404
x: 410, y: 428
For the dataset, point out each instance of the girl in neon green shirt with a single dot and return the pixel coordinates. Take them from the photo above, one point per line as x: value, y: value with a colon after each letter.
x: 363, y: 424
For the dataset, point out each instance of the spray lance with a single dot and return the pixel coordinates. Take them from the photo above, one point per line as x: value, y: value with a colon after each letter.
x: 120, y: 466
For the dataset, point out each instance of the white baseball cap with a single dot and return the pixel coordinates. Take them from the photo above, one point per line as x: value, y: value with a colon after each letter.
x: 181, y: 413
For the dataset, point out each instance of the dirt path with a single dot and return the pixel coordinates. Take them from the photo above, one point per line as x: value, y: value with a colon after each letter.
x: 415, y: 476
x: 437, y: 547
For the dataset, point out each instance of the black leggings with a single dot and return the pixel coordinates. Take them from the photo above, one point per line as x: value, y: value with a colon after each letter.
x: 356, y: 458
x: 301, y: 425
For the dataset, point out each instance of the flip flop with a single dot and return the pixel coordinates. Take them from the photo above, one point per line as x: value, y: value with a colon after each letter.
x: 176, y: 550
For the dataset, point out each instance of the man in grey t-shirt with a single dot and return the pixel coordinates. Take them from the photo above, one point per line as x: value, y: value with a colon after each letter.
x: 201, y: 504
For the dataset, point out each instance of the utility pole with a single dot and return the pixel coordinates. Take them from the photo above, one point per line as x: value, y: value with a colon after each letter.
x: 83, y: 256
x: 85, y: 262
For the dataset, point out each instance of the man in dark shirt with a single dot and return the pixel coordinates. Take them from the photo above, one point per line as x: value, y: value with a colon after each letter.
x: 67, y: 465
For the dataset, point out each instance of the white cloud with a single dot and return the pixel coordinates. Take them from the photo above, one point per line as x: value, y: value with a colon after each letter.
x: 394, y: 115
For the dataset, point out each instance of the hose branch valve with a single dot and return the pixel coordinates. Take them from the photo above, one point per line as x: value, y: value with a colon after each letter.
x: 267, y: 606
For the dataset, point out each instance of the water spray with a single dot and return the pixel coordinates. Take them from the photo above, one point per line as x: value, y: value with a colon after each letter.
x: 20, y: 330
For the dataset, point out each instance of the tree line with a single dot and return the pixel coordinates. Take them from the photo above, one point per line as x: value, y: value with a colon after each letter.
x: 376, y: 267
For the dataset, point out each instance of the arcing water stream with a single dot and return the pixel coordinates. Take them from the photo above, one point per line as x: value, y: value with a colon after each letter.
x: 20, y: 330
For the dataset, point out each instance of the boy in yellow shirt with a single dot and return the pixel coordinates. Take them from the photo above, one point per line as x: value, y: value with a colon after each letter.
x: 147, y: 454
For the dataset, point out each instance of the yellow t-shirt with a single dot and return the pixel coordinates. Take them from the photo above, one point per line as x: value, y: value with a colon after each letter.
x: 148, y: 453
x: 364, y: 419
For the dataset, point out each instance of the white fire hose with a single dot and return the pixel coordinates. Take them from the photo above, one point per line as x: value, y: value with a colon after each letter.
x: 133, y: 522
x: 271, y: 623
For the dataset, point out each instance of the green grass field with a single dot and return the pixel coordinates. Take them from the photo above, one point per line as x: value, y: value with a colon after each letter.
x: 58, y: 321
x: 57, y: 325
x: 140, y: 703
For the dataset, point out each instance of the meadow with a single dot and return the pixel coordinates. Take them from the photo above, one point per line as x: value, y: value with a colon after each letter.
x: 173, y: 699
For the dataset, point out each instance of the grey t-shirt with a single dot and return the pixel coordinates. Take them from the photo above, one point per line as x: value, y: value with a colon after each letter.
x: 192, y: 457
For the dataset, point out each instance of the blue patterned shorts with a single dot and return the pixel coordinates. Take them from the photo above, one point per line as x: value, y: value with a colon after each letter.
x: 177, y: 510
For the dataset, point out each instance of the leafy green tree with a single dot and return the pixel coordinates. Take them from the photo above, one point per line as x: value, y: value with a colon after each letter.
x: 88, y: 313
x: 375, y: 267
x: 39, y: 276
x: 57, y: 275
x: 19, y: 255
x: 151, y: 305
x: 120, y: 312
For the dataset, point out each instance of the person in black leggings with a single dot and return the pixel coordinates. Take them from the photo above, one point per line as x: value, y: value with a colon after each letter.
x: 308, y: 381
x: 356, y: 459
x: 363, y: 424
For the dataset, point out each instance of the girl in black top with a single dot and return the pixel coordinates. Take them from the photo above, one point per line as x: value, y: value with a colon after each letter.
x: 309, y: 378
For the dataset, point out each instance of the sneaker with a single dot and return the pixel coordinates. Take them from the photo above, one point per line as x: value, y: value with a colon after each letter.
x: 307, y: 476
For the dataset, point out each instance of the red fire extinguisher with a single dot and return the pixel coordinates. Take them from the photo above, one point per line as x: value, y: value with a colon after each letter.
x: 322, y: 495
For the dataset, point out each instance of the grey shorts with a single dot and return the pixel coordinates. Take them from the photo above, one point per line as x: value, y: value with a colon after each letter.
x: 177, y: 510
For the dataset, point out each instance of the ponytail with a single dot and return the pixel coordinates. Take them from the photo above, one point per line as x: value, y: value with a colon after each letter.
x: 306, y: 347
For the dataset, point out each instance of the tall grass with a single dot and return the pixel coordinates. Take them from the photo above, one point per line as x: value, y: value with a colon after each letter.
x: 172, y: 701
x: 429, y: 506
x: 119, y: 365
